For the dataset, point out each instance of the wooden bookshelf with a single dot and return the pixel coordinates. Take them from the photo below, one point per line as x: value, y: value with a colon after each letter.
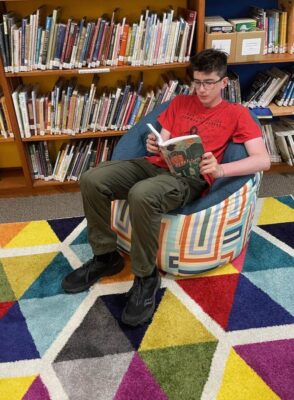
x: 19, y: 180
x: 101, y: 70
x: 11, y: 178
x: 269, y: 58
x: 6, y: 140
x: 85, y: 135
x: 281, y: 111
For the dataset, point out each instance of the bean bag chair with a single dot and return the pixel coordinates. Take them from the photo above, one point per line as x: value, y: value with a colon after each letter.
x: 206, y: 233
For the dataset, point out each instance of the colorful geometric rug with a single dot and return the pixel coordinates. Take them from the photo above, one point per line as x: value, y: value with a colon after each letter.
x: 227, y: 334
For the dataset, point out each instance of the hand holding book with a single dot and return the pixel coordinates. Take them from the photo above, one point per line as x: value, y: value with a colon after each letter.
x: 182, y: 154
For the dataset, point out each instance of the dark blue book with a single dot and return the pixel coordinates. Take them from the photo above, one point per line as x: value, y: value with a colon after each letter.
x: 60, y: 35
x: 262, y: 113
x: 99, y: 39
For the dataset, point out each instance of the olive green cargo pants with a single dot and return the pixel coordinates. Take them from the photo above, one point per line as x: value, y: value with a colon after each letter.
x: 150, y: 191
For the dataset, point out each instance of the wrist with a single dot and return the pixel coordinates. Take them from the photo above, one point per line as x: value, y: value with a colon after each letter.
x: 221, y: 172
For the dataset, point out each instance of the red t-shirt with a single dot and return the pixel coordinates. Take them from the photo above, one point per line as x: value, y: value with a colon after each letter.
x: 216, y: 126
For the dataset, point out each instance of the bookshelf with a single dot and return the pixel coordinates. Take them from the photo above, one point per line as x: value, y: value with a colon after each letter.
x: 15, y: 174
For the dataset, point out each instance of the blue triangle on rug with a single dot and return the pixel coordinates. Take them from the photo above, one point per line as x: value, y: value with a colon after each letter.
x: 277, y: 283
x: 284, y: 232
x: 16, y: 342
x: 64, y: 226
x: 262, y: 254
x: 83, y: 251
x: 115, y: 304
x: 49, y: 281
x: 47, y: 317
x: 287, y: 200
x: 253, y: 308
x: 82, y: 238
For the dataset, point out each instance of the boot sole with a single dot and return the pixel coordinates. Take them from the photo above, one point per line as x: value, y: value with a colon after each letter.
x: 148, y: 315
x: 118, y: 268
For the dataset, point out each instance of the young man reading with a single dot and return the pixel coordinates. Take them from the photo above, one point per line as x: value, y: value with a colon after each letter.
x: 152, y: 191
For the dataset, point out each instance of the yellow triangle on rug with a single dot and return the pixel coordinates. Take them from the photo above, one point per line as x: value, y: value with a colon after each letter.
x: 36, y: 233
x: 273, y: 212
x: 241, y: 382
x: 174, y: 325
x: 15, y: 388
x: 31, y: 267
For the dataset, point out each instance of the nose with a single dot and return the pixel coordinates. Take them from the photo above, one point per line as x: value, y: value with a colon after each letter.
x: 201, y: 89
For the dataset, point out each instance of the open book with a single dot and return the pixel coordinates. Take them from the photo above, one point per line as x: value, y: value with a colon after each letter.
x: 182, y: 154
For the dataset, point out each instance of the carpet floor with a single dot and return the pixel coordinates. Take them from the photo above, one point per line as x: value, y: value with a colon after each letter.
x: 227, y: 334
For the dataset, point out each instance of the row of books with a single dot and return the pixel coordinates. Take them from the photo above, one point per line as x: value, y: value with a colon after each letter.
x: 39, y: 42
x: 271, y: 85
x: 278, y: 25
x: 279, y: 139
x: 5, y: 125
x: 72, y: 159
x: 71, y: 108
x: 232, y: 92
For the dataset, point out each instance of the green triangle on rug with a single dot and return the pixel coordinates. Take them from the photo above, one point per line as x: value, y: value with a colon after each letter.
x: 181, y: 371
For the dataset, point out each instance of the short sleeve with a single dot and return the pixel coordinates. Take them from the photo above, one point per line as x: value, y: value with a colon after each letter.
x: 167, y: 117
x: 247, y: 128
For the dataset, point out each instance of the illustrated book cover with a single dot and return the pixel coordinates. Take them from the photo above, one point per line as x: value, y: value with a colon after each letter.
x: 182, y: 154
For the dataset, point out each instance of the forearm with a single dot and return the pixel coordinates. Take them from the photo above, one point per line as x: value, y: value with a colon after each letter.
x: 249, y: 165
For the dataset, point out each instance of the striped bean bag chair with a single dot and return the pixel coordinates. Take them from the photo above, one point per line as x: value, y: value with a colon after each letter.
x: 204, y: 234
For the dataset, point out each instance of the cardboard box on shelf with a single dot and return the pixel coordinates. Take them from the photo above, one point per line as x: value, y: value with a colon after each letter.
x: 249, y: 45
x: 222, y: 41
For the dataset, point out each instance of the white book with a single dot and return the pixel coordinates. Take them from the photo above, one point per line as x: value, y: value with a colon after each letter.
x: 184, y: 43
x: 52, y: 34
x: 151, y: 53
x: 137, y: 42
x: 117, y: 96
x: 23, y: 99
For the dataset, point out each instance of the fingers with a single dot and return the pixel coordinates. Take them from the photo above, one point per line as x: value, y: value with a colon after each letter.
x: 151, y: 143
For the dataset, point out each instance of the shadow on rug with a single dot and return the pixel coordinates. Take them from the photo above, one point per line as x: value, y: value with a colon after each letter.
x: 226, y: 334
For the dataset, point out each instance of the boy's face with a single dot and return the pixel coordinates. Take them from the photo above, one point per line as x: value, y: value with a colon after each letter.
x: 208, y: 87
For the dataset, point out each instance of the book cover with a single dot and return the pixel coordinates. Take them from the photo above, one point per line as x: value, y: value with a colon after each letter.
x: 182, y: 154
x: 288, y: 5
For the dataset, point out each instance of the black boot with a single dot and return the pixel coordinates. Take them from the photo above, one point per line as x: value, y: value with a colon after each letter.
x: 141, y: 302
x: 90, y: 272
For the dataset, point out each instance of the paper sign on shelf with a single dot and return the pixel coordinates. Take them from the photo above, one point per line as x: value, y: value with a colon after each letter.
x: 222, y: 45
x: 251, y: 46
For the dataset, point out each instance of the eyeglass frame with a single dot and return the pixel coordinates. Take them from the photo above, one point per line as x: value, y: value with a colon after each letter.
x: 206, y: 84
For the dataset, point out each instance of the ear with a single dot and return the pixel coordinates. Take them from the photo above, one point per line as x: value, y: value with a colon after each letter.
x: 225, y: 82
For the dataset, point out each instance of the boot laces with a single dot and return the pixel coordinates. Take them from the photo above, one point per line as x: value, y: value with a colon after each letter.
x: 137, y: 290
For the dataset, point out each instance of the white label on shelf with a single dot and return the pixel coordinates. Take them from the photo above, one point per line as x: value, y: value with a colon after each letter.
x: 251, y: 47
x: 93, y: 70
x: 222, y: 45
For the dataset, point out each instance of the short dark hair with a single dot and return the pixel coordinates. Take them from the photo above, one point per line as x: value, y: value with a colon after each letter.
x: 210, y: 60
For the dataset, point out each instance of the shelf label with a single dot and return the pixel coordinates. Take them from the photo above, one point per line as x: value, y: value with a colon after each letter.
x: 222, y: 45
x: 94, y: 70
x: 251, y: 47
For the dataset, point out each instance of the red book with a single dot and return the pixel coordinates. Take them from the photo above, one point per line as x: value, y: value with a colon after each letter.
x: 71, y: 38
x: 65, y: 40
x: 123, y: 44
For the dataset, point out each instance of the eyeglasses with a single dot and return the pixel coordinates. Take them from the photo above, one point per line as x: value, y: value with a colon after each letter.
x: 206, y: 84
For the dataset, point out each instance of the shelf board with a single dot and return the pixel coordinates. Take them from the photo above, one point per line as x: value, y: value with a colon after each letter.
x: 270, y: 58
x: 104, y: 69
x: 85, y: 135
x: 11, y: 178
x: 6, y: 140
x: 38, y: 183
x: 279, y: 111
x: 281, y: 168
